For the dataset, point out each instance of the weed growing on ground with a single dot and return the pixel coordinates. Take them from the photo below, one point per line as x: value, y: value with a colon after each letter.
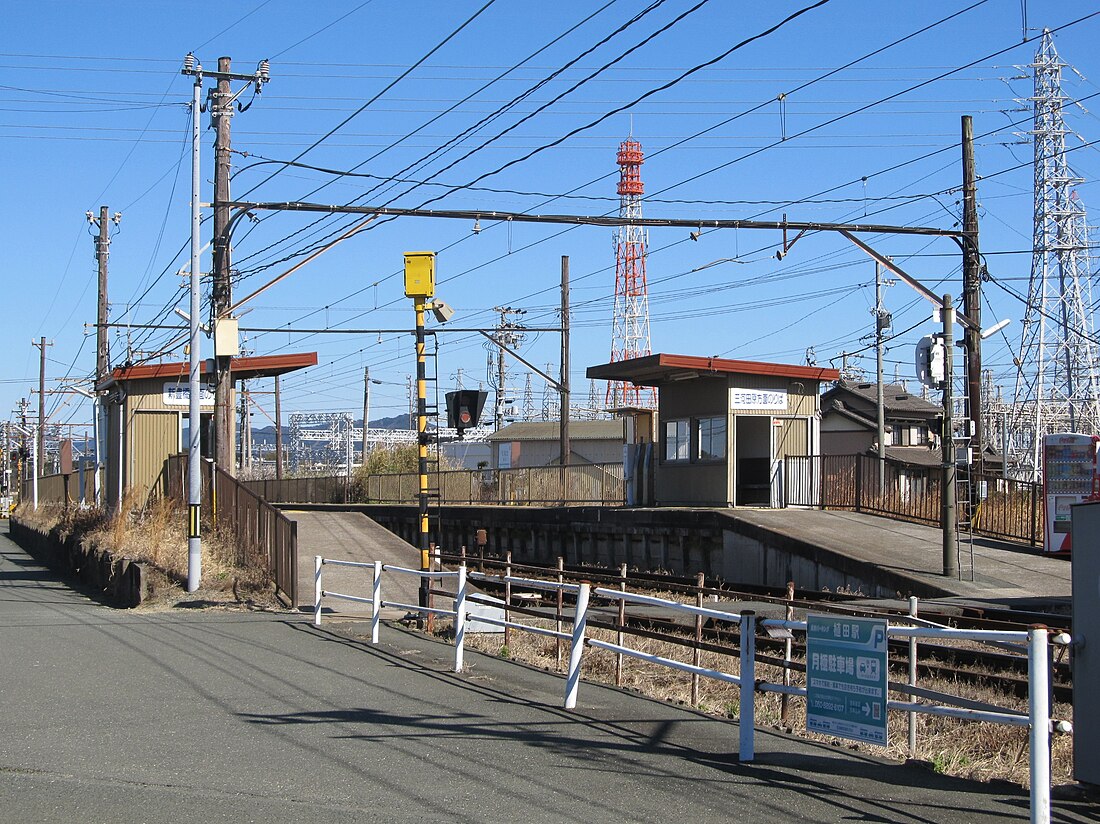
x: 153, y: 530
x: 980, y: 751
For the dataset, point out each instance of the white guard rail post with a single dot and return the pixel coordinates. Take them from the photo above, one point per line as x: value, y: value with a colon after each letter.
x: 580, y: 620
x: 376, y: 602
x: 1038, y: 701
x: 747, y: 712
x: 318, y: 562
x: 460, y: 617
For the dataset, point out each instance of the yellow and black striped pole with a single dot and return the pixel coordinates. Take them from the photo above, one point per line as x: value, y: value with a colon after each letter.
x: 422, y: 448
x: 420, y: 286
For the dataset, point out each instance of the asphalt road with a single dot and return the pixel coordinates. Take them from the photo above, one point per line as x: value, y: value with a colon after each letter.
x: 188, y: 715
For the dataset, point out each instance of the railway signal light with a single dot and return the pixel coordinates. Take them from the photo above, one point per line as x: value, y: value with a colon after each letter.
x: 464, y: 408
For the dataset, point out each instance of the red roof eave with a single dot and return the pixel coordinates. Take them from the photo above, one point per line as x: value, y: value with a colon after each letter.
x: 261, y: 366
x: 653, y: 369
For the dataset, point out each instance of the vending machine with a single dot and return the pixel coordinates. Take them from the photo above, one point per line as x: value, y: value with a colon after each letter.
x: 1069, y: 477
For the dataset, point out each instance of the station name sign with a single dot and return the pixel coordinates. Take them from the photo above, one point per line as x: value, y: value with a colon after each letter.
x: 758, y: 398
x: 179, y: 394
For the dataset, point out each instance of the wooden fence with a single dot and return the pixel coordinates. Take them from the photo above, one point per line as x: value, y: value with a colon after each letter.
x: 1003, y: 508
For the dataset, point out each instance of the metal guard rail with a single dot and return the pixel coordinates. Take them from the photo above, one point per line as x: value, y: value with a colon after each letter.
x: 1037, y: 639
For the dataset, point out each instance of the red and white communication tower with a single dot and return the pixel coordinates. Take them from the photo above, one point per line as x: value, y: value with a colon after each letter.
x: 630, y: 332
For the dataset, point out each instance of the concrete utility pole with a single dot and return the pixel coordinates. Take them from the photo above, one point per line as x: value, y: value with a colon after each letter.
x: 880, y: 326
x: 366, y: 408
x: 102, y: 252
x: 102, y: 354
x: 563, y: 433
x: 221, y: 113
x: 221, y: 102
x: 972, y: 290
x: 947, y: 443
x: 40, y: 436
x: 278, y: 432
x: 245, y: 424
x: 509, y: 333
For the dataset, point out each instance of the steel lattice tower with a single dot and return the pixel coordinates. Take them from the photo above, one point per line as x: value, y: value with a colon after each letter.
x: 1056, y: 385
x: 630, y: 332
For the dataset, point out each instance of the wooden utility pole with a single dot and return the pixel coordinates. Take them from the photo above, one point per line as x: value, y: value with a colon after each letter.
x: 222, y: 295
x: 972, y: 290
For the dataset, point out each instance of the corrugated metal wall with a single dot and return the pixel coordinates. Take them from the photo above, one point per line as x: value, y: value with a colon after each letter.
x: 792, y: 437
x: 154, y: 435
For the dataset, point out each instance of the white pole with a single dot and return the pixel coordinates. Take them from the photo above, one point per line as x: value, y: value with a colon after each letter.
x: 912, y: 680
x: 1038, y: 707
x: 376, y: 602
x: 194, y: 408
x: 318, y: 562
x: 34, y: 469
x: 580, y: 619
x: 95, y: 441
x: 460, y: 618
x: 747, y: 714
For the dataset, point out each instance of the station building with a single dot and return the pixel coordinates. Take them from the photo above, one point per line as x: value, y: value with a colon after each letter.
x: 724, y: 426
x: 147, y: 417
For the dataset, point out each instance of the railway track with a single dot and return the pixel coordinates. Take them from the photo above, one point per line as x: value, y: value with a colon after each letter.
x: 1003, y: 669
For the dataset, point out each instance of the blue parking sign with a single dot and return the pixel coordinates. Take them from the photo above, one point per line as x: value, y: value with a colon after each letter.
x: 846, y: 677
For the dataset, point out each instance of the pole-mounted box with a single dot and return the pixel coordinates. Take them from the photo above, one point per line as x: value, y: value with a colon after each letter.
x: 419, y: 274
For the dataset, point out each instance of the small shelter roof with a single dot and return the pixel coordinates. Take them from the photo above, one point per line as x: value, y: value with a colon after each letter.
x: 653, y: 370
x: 261, y: 366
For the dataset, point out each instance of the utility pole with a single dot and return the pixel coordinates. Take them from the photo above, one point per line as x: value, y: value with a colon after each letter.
x: 972, y: 290
x: 246, y: 429
x: 366, y: 408
x: 563, y: 432
x: 278, y: 432
x: 508, y: 333
x: 102, y: 252
x: 40, y: 436
x: 102, y: 354
x: 221, y: 102
x: 222, y: 292
x: 882, y: 323
x: 947, y: 443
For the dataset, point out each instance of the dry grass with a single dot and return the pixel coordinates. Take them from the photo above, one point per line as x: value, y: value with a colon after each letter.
x: 973, y: 750
x: 154, y: 530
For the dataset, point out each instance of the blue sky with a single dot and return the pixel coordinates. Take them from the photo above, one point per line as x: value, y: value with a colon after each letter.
x: 95, y: 112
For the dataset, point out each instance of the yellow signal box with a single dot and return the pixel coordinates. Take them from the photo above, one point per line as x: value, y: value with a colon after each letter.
x: 419, y: 274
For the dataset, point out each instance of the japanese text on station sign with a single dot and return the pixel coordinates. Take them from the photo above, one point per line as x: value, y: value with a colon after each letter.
x: 846, y: 677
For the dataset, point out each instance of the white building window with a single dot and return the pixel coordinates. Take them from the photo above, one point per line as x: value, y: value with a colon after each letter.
x: 712, y: 439
x: 677, y: 441
x: 504, y: 455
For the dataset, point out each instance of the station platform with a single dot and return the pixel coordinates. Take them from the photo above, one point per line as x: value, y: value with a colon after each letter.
x: 1003, y: 573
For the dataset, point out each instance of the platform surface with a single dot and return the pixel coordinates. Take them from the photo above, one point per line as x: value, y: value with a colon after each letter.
x: 1003, y: 572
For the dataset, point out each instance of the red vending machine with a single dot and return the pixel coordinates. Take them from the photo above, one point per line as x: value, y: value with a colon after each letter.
x: 1069, y: 477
